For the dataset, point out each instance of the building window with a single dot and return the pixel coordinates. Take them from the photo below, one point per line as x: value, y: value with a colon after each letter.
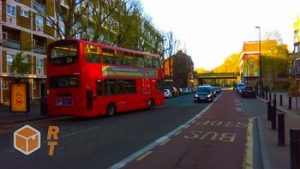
x: 34, y: 84
x: 5, y: 85
x: 24, y: 13
x: 40, y: 63
x: 39, y: 20
x: 10, y: 10
x: 10, y: 59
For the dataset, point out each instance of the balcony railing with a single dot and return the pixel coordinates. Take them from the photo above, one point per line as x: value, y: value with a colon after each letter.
x: 39, y: 49
x: 14, y: 44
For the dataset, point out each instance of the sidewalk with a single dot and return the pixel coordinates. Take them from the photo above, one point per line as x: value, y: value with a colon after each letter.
x: 8, y: 117
x: 285, y: 101
x: 275, y: 157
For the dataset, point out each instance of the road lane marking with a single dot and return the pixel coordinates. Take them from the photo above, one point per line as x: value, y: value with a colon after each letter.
x: 248, y: 159
x: 152, y: 145
x: 144, y: 156
x: 165, y: 142
x: 176, y: 134
x: 187, y: 126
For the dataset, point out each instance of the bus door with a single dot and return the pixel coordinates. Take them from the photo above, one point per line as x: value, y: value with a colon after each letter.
x: 99, y: 104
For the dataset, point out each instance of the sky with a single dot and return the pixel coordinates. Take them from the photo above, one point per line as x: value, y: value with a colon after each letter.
x: 211, y: 30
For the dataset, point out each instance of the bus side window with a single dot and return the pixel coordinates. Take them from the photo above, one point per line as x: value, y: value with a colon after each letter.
x: 99, y: 88
x: 156, y: 63
x: 148, y: 62
x: 108, y: 60
x: 140, y: 62
x: 92, y: 54
x: 130, y: 86
x: 110, y: 87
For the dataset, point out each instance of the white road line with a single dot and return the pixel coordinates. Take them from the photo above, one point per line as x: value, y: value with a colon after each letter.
x: 157, y: 142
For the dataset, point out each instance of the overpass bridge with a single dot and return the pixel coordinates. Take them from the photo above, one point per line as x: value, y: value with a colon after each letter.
x: 216, y: 75
x: 200, y: 78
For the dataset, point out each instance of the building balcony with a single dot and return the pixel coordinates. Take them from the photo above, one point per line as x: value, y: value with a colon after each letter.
x: 13, y: 44
x: 39, y: 49
x: 38, y: 6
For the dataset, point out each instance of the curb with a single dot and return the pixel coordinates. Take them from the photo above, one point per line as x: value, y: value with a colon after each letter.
x: 263, y: 151
x: 29, y: 119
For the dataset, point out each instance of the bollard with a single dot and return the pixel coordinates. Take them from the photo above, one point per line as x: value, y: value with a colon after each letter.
x: 295, y: 148
x: 270, y: 96
x: 281, y: 140
x: 269, y: 106
x: 290, y: 103
x: 273, y: 117
x: 274, y: 103
x: 43, y: 106
x: 280, y: 98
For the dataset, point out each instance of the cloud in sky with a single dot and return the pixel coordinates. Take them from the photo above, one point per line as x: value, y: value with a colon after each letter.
x: 212, y: 30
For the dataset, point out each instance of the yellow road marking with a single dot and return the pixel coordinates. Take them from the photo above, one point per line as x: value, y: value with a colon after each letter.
x: 144, y: 156
x: 248, y: 159
x: 165, y: 142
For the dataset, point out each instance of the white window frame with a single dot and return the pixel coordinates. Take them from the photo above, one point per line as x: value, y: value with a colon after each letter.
x: 40, y: 63
x: 5, y: 85
x: 24, y: 13
x: 10, y: 10
x: 33, y: 84
x: 39, y: 21
x: 9, y: 59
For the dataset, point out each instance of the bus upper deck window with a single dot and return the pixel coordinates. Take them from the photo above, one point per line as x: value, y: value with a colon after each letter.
x: 92, y: 54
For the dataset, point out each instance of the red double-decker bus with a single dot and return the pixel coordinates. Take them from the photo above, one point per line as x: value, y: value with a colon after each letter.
x: 89, y: 79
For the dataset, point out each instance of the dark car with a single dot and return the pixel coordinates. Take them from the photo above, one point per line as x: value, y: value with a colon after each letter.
x: 248, y: 92
x: 203, y: 93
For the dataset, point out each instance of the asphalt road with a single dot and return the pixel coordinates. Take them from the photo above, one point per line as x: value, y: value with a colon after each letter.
x: 99, y: 142
x: 220, y: 138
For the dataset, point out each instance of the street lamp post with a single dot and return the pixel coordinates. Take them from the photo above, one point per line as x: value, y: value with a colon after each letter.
x: 260, y: 58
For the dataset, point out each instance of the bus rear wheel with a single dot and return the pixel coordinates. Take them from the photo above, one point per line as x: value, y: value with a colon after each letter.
x: 151, y: 104
x: 111, y: 109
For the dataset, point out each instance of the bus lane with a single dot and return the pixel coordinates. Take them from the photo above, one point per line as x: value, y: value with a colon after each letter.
x: 220, y: 138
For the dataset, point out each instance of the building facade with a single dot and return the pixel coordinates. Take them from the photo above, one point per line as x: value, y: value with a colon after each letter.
x: 274, y: 64
x: 294, y: 70
x: 24, y: 29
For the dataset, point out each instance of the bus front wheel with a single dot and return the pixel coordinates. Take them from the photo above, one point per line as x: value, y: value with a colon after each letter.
x: 111, y: 109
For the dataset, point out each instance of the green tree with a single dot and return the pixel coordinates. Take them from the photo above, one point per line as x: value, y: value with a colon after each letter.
x: 20, y: 66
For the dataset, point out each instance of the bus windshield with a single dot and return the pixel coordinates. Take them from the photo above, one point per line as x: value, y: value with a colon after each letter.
x: 64, y: 54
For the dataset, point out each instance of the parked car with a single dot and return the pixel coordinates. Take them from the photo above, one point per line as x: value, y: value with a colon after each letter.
x: 186, y: 91
x: 167, y: 93
x: 248, y: 92
x: 240, y: 87
x: 203, y: 93
x: 218, y: 89
x: 214, y: 91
